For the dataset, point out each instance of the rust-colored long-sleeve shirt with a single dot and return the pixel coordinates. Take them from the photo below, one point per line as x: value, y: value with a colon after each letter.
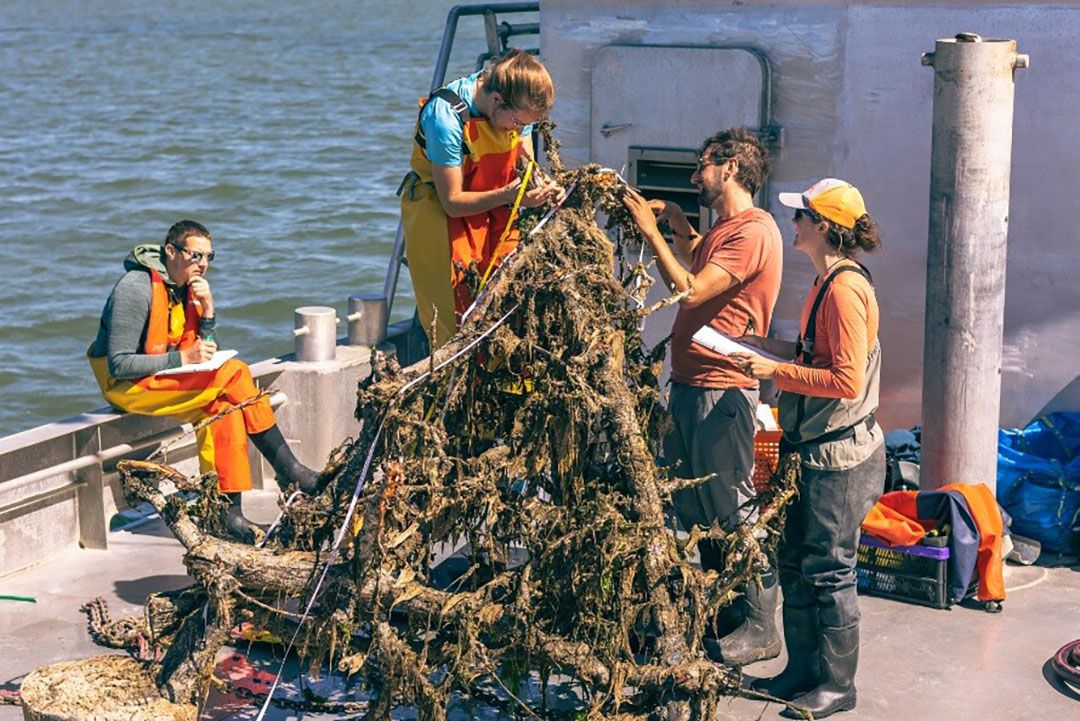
x: 847, y: 328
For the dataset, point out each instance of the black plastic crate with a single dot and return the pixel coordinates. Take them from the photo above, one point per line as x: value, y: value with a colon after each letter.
x: 917, y: 574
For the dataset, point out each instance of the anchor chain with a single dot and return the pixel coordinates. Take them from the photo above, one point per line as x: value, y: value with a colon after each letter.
x: 129, y: 633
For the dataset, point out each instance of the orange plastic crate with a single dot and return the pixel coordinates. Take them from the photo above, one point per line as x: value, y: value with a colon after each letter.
x: 766, y: 457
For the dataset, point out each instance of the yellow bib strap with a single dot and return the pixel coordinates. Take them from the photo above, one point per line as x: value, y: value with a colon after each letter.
x: 510, y: 223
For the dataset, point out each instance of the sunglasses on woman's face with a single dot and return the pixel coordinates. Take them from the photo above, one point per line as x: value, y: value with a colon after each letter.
x: 518, y: 123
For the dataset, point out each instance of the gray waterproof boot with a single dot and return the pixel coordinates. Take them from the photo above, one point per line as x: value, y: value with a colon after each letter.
x: 756, y: 639
x: 802, y: 672
x: 287, y: 467
x: 839, y: 658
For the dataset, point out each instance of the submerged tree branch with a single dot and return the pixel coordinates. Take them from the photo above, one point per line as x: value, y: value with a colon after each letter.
x: 522, y: 454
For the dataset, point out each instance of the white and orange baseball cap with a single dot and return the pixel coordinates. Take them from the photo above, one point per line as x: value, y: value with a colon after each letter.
x: 832, y: 199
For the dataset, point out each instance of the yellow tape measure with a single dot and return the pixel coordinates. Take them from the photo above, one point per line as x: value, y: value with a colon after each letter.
x: 509, y: 223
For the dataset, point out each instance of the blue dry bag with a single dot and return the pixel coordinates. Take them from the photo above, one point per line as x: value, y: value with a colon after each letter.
x: 1038, y: 479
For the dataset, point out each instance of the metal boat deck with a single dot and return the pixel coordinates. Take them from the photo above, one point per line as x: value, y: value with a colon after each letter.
x: 917, y: 663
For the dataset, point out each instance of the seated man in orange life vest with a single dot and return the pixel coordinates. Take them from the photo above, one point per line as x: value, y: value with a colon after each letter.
x: 160, y: 315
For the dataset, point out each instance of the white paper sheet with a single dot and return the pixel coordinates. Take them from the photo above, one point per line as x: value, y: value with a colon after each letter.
x: 717, y: 341
x: 210, y: 365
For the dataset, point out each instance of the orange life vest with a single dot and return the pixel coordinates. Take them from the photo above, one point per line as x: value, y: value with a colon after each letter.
x: 162, y: 335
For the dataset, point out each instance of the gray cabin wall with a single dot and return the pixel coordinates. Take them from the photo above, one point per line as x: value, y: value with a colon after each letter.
x: 855, y: 102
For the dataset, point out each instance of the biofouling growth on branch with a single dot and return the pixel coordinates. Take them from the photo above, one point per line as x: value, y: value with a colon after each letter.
x: 529, y: 444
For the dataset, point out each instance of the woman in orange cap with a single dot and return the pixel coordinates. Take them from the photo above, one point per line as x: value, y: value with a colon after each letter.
x: 829, y: 393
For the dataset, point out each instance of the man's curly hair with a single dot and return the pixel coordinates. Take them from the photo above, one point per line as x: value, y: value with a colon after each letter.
x: 743, y: 145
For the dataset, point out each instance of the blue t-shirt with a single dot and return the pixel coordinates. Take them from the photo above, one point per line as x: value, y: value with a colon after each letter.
x: 442, y: 126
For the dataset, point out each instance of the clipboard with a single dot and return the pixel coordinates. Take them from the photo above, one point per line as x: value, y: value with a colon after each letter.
x: 208, y: 365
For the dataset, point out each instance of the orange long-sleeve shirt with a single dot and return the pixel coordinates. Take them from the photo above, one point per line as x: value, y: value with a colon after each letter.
x: 847, y: 328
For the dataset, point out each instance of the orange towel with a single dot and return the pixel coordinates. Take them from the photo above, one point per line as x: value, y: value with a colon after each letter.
x: 891, y: 526
x: 984, y: 509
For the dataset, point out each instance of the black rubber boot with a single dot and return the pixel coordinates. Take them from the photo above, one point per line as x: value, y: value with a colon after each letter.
x: 802, y: 672
x: 236, y: 524
x: 756, y: 639
x: 731, y: 616
x: 287, y: 467
x: 839, y: 658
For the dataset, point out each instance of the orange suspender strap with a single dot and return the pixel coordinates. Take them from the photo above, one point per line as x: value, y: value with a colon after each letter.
x: 192, y: 314
x: 509, y: 223
x: 157, y: 327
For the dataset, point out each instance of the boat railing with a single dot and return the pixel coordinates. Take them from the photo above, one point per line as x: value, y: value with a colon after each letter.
x: 58, y: 482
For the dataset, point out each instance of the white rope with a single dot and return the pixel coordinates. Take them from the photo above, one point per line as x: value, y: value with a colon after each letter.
x: 538, y: 226
x: 273, y: 526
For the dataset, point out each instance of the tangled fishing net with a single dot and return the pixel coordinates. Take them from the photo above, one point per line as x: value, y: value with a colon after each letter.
x: 525, y: 449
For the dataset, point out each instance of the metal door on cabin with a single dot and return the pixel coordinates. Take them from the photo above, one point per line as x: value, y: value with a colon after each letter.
x: 651, y: 108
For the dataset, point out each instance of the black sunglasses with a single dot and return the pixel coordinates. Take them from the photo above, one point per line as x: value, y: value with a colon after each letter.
x: 196, y: 256
x: 804, y: 213
x: 706, y: 162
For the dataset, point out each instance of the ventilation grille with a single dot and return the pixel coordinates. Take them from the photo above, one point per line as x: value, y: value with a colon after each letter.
x: 664, y: 174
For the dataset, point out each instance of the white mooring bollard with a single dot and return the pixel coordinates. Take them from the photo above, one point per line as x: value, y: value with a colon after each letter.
x: 367, y: 319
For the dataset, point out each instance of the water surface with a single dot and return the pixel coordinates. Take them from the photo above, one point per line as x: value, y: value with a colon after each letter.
x: 282, y: 126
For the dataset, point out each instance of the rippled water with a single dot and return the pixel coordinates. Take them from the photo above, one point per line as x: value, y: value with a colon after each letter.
x: 284, y: 126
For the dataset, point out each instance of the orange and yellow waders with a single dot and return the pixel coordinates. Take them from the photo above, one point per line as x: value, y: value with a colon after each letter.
x: 192, y: 397
x: 440, y: 248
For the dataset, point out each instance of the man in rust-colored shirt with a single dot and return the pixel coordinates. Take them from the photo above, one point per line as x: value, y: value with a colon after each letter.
x: 733, y: 282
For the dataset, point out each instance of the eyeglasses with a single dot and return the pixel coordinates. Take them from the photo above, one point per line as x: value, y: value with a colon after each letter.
x: 804, y: 213
x: 513, y: 119
x: 196, y: 256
